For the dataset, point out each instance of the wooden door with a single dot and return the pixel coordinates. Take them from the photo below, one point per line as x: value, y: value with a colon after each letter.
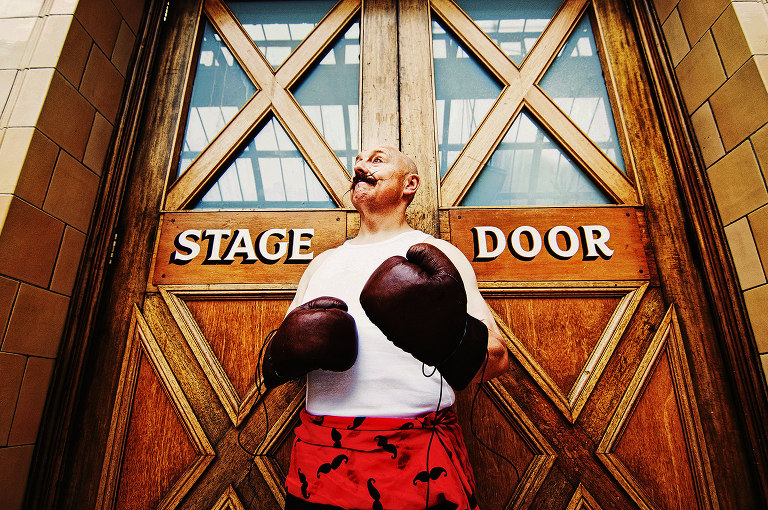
x: 615, y: 397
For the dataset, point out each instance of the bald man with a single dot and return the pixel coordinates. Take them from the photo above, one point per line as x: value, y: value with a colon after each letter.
x: 382, y: 433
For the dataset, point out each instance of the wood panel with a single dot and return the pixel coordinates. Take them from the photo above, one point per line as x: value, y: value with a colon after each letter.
x: 654, y: 444
x: 416, y: 83
x: 626, y: 262
x: 257, y: 246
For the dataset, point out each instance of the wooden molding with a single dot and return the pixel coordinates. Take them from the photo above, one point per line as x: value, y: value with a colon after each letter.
x: 229, y: 501
x: 142, y: 341
x: 736, y: 337
x: 572, y: 402
x: 667, y: 338
x: 544, y: 455
x: 582, y: 500
x: 275, y: 436
x: 237, y: 407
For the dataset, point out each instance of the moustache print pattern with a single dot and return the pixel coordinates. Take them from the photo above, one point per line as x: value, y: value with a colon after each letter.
x: 333, y: 465
x: 382, y: 443
x: 433, y: 474
x: 375, y: 495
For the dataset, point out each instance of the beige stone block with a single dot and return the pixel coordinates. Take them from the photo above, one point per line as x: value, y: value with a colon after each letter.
x: 132, y: 11
x: 11, y: 374
x: 755, y: 300
x: 28, y: 158
x: 758, y: 222
x: 700, y: 73
x: 72, y: 192
x: 740, y: 32
x: 73, y: 57
x: 677, y: 42
x: 29, y: 409
x: 14, y: 35
x: 744, y: 254
x: 14, y: 471
x: 707, y: 134
x: 737, y: 184
x: 98, y: 144
x: 102, y: 85
x: 7, y: 76
x: 101, y: 20
x: 29, y: 241
x: 63, y: 6
x: 20, y: 8
x: 664, y: 7
x: 740, y: 106
x: 121, y: 56
x: 66, y: 117
x: 68, y: 261
x: 50, y: 43
x: 760, y: 144
x: 699, y: 15
x: 25, y: 110
x: 37, y: 322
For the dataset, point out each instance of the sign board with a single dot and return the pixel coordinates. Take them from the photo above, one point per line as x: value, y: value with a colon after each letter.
x: 195, y: 248
x: 552, y: 244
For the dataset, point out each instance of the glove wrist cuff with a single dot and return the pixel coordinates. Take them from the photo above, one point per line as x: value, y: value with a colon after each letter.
x: 460, y: 367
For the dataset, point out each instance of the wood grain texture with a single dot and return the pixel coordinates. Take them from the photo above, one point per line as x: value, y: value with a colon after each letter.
x: 417, y: 116
x: 628, y: 261
x: 329, y: 231
x: 157, y: 450
x: 379, y: 107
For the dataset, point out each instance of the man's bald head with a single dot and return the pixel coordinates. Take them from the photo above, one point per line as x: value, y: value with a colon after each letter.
x: 404, y: 163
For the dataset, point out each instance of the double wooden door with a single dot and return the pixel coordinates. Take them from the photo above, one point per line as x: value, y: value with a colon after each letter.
x: 615, y: 397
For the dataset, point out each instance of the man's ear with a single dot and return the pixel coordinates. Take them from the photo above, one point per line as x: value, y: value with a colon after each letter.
x: 411, y: 184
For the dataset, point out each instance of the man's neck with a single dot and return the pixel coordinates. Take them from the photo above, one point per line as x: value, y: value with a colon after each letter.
x: 380, y: 227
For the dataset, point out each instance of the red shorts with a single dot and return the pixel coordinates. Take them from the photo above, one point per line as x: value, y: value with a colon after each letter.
x: 382, y: 463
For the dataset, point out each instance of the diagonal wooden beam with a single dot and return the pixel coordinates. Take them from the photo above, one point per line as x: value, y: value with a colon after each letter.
x: 317, y: 41
x: 222, y: 148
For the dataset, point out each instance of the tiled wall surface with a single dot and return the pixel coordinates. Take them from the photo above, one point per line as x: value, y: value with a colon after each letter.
x: 62, y: 70
x: 720, y: 52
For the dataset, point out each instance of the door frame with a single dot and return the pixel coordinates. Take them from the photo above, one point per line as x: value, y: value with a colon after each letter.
x: 64, y: 469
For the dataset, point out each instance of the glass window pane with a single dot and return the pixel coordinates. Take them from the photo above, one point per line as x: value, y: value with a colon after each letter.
x: 575, y: 82
x: 270, y: 172
x: 329, y: 94
x: 277, y: 27
x: 513, y: 26
x: 464, y: 93
x: 220, y: 88
x: 528, y: 168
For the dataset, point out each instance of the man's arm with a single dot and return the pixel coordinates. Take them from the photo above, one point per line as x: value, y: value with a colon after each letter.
x: 498, y: 357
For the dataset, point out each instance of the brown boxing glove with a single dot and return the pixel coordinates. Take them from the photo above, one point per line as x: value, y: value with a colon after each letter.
x: 419, y: 303
x: 319, y: 334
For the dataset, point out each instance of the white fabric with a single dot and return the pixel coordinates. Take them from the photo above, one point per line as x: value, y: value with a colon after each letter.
x: 385, y: 381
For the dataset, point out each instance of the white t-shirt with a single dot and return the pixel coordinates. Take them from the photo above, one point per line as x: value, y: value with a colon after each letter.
x: 385, y: 381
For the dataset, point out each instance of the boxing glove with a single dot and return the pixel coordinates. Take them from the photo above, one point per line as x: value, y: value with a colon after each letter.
x: 319, y: 334
x: 419, y: 303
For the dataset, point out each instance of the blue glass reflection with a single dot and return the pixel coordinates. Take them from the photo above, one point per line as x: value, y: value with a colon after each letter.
x: 465, y: 91
x: 329, y: 94
x: 278, y: 27
x: 219, y: 90
x: 270, y: 172
x: 575, y: 82
x: 513, y: 26
x: 528, y: 168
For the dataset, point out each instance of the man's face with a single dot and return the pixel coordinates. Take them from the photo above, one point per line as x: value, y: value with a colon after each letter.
x: 378, y: 177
